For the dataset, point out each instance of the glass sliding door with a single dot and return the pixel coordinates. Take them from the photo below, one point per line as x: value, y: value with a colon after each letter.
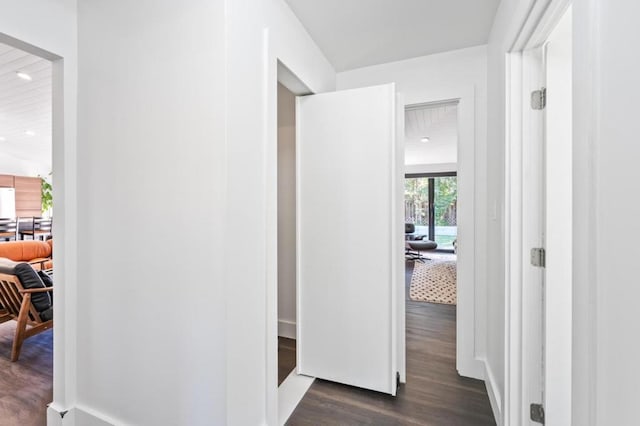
x: 431, y: 203
x: 445, y: 211
x: 416, y: 204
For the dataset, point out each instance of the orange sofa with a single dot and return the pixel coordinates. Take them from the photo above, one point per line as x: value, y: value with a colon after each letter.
x: 36, y: 252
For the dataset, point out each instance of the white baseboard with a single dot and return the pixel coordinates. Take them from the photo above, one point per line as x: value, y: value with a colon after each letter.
x: 55, y: 415
x: 287, y: 329
x: 78, y: 416
x: 494, y: 394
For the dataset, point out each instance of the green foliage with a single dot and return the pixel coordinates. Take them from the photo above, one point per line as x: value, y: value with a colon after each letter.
x: 446, y: 198
x: 47, y: 195
x: 416, y: 198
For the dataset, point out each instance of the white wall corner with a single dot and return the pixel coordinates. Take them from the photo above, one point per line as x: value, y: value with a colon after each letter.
x: 287, y: 329
x: 494, y: 394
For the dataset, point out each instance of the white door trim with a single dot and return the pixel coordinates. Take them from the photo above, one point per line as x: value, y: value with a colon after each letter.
x: 275, y: 63
x: 470, y: 326
x: 64, y: 91
x: 534, y: 31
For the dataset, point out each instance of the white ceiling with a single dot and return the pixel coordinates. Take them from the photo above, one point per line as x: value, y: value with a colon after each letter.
x: 25, y: 105
x: 438, y: 123
x: 358, y: 33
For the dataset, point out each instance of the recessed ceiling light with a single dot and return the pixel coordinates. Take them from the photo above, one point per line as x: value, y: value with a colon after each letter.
x: 425, y: 139
x: 24, y: 75
x: 30, y: 133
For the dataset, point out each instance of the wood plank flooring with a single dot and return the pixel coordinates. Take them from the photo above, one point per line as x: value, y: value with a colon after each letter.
x: 26, y: 386
x: 434, y: 393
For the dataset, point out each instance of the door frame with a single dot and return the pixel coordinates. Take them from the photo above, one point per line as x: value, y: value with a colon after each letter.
x: 276, y: 64
x: 471, y: 305
x: 64, y: 174
x: 536, y: 28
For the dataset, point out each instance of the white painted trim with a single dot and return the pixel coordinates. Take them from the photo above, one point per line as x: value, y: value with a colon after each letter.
x: 85, y: 416
x: 494, y: 394
x: 287, y: 329
x: 399, y: 240
x: 513, y: 242
x: 396, y: 237
x: 55, y: 415
x: 290, y: 393
x: 270, y: 132
x: 80, y: 416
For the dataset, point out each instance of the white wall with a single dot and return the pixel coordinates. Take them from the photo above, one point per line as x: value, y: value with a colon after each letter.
x: 606, y: 371
x: 286, y: 213
x: 423, y: 78
x: 259, y: 32
x: 49, y: 28
x: 152, y: 331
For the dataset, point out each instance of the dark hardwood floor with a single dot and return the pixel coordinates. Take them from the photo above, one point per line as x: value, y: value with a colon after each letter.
x: 286, y: 358
x: 434, y: 393
x: 26, y: 386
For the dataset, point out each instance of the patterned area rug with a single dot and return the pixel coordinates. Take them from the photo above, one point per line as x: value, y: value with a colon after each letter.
x: 434, y: 281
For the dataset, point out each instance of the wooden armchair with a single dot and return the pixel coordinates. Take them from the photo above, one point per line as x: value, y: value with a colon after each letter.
x: 17, y: 303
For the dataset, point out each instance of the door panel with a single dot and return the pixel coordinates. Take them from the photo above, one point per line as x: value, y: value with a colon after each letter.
x: 347, y: 279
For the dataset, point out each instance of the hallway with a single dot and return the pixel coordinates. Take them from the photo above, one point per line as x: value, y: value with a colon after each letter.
x: 433, y: 395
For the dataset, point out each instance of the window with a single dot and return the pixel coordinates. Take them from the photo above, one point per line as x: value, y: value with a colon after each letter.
x: 431, y: 203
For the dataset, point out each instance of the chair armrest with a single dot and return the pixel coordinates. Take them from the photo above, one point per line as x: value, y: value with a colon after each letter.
x: 41, y: 262
x: 36, y: 290
x: 419, y: 237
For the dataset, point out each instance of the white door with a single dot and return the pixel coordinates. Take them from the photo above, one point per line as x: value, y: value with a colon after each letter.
x: 349, y: 237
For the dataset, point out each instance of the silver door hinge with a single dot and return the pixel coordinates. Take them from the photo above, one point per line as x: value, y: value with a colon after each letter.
x: 539, y: 99
x: 537, y: 413
x: 538, y: 257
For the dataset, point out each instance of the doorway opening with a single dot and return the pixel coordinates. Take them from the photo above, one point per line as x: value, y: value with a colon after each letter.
x: 26, y: 228
x: 286, y: 232
x: 431, y: 197
x: 431, y: 201
x: 291, y: 386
